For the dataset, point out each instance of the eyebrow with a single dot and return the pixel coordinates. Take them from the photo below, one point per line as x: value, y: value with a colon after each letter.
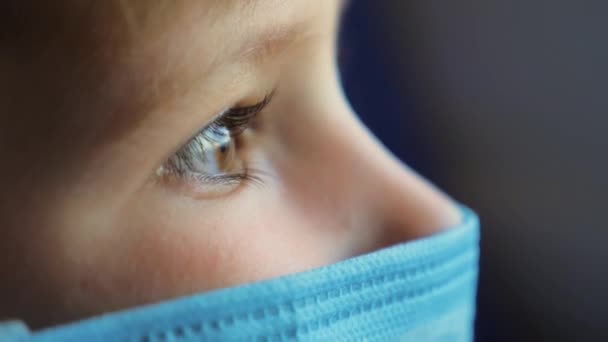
x: 270, y: 42
x: 254, y: 45
x: 275, y: 37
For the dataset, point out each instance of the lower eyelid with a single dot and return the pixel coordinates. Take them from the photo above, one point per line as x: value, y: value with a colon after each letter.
x: 191, y: 185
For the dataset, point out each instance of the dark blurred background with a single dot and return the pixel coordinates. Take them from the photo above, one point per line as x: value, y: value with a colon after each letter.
x: 503, y: 104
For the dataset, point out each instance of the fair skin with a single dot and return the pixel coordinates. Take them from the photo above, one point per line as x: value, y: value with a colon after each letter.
x: 98, y: 96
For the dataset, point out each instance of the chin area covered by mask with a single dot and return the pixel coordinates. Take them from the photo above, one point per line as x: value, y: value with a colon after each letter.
x: 423, y: 290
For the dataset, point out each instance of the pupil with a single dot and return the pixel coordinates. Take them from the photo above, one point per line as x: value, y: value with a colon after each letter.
x: 223, y: 154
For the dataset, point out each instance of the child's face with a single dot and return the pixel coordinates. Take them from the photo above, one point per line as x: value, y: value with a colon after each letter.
x: 106, y: 202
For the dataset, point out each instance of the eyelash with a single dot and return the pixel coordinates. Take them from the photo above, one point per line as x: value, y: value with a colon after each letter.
x: 229, y: 124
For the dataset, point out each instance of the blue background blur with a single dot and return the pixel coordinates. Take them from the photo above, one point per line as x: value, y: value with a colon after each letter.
x: 503, y: 104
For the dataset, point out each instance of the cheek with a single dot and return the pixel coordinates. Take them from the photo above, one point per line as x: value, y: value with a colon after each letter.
x: 169, y: 250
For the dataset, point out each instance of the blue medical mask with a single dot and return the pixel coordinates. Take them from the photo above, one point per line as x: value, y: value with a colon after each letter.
x: 422, y: 290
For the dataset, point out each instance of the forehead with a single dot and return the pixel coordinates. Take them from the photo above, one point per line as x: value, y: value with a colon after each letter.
x: 36, y: 24
x: 128, y: 55
x: 154, y: 35
x: 154, y: 16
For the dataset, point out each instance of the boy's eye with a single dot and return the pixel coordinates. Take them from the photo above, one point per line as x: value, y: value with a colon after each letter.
x: 211, y: 152
x: 212, y: 157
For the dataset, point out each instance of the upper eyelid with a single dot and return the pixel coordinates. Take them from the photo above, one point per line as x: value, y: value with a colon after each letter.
x: 253, y: 108
x: 236, y: 116
x: 227, y: 117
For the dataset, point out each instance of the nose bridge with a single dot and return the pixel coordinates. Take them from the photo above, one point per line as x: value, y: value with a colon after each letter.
x: 341, y: 169
x: 384, y: 200
x: 402, y: 204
